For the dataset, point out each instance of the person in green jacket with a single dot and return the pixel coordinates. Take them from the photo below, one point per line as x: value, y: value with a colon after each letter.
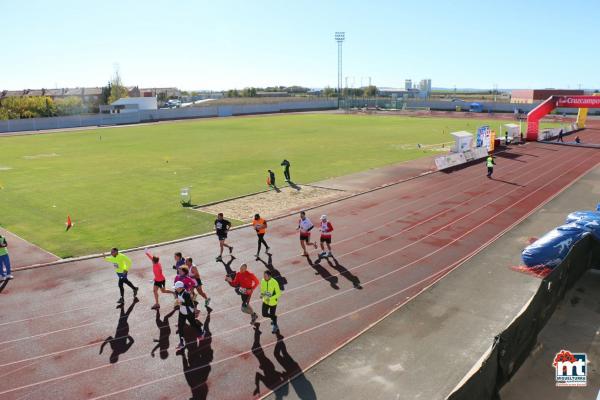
x: 5, y: 272
x: 269, y: 293
x: 122, y: 264
x: 490, y: 165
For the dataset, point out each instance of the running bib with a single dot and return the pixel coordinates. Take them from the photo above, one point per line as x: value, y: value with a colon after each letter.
x: 242, y: 290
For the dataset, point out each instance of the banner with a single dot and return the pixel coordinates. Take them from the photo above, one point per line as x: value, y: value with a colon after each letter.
x: 492, y: 140
x: 483, y: 137
x: 450, y: 160
x: 578, y: 101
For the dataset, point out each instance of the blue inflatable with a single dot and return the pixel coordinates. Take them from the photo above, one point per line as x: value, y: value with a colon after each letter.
x: 552, y: 248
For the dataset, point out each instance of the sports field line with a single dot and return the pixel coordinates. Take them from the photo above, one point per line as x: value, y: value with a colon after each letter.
x: 351, y: 252
x: 349, y: 269
x: 319, y: 301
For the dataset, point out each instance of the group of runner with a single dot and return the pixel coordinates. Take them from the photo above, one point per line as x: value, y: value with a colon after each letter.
x: 187, y: 284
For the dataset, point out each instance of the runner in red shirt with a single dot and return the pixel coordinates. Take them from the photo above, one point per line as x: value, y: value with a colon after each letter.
x: 159, y: 278
x: 326, y: 228
x: 244, y: 283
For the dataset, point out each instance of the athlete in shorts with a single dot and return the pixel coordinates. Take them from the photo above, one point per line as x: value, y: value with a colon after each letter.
x: 305, y: 226
x: 186, y: 314
x: 260, y: 226
x: 159, y: 278
x: 195, y: 275
x: 244, y: 283
x: 326, y: 229
x: 221, y: 229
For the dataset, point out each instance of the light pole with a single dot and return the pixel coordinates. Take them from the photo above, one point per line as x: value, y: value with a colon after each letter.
x: 339, y: 38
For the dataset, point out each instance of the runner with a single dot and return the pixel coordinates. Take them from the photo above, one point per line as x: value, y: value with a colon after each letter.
x: 186, y: 313
x: 188, y: 283
x: 244, y: 283
x: 195, y: 274
x: 222, y: 228
x: 122, y: 264
x: 270, y: 292
x: 490, y: 162
x: 305, y: 226
x: 159, y: 278
x: 326, y: 229
x: 179, y: 261
x: 5, y: 272
x: 260, y: 226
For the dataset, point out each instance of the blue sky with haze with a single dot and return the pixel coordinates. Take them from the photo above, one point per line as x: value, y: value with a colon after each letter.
x: 227, y: 44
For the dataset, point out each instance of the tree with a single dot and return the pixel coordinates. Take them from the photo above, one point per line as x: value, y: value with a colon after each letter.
x: 117, y: 90
x: 71, y: 105
x: 328, y: 92
x: 371, y: 91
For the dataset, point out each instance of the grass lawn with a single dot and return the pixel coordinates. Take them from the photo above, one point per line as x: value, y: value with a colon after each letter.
x: 121, y: 185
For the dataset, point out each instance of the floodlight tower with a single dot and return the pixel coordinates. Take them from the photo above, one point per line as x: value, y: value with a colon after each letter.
x: 339, y: 38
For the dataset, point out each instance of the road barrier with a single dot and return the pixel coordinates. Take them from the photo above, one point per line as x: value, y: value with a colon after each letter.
x: 511, y: 347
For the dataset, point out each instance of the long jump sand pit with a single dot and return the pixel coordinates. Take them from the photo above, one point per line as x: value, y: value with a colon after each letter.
x: 273, y: 203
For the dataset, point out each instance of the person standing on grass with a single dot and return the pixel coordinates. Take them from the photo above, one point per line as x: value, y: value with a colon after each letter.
x: 122, y: 263
x: 222, y: 228
x: 326, y: 229
x: 244, y: 283
x: 490, y: 165
x: 260, y: 226
x: 305, y: 226
x: 179, y: 261
x: 5, y: 272
x: 186, y: 314
x: 286, y: 170
x: 269, y: 293
x: 159, y: 278
x: 195, y: 275
x: 271, y: 179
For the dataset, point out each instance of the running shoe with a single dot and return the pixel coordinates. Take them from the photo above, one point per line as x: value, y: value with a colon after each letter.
x: 323, y: 254
x: 121, y: 301
x: 155, y: 307
x: 329, y: 254
x: 275, y: 328
x: 10, y: 276
x: 180, y: 347
x: 253, y: 318
x: 219, y: 258
x: 206, y: 302
x: 230, y: 249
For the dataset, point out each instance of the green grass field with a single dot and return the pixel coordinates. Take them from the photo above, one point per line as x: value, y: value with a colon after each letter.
x: 121, y: 185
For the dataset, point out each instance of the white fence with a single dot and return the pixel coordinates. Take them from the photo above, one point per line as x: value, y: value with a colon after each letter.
x: 38, y: 124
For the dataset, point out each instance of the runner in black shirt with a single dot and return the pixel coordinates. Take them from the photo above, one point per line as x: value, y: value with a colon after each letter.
x: 221, y: 228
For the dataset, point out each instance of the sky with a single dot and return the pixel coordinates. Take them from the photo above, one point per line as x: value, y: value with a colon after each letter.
x: 240, y: 43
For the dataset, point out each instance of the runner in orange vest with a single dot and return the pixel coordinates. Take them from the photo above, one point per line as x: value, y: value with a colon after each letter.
x: 260, y: 226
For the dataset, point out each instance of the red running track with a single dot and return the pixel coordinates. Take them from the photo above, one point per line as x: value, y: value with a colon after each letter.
x: 389, y: 245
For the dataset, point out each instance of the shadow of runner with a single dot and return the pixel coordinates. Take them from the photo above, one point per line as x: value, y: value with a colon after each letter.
x: 302, y: 386
x: 121, y: 342
x: 196, y: 366
x: 322, y: 271
x: 270, y: 377
x: 164, y: 332
x: 344, y: 272
x: 275, y: 272
x: 294, y: 186
x: 227, y: 265
x: 3, y: 285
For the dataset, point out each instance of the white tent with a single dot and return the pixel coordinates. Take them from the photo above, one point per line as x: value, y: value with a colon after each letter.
x: 513, y: 130
x: 463, y: 141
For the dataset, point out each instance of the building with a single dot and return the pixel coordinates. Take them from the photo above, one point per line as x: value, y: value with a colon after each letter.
x: 408, y: 84
x: 425, y: 86
x: 528, y: 96
x: 130, y: 104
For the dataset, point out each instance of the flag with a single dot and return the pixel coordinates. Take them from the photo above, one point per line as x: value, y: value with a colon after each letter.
x: 69, y: 223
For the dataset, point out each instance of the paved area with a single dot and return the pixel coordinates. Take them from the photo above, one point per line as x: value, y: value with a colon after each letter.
x: 23, y: 253
x: 61, y: 337
x: 424, y: 349
x: 575, y: 326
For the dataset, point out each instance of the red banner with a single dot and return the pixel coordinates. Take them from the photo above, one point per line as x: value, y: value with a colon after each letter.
x: 578, y: 101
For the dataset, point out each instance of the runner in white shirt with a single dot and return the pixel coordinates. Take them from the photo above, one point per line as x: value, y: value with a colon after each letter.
x: 326, y: 229
x: 305, y: 226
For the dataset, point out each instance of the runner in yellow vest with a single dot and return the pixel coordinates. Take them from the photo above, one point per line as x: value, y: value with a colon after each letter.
x: 122, y: 264
x: 490, y: 165
x: 270, y: 292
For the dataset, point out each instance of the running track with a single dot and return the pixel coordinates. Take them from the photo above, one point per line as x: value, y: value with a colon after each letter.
x: 389, y: 244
